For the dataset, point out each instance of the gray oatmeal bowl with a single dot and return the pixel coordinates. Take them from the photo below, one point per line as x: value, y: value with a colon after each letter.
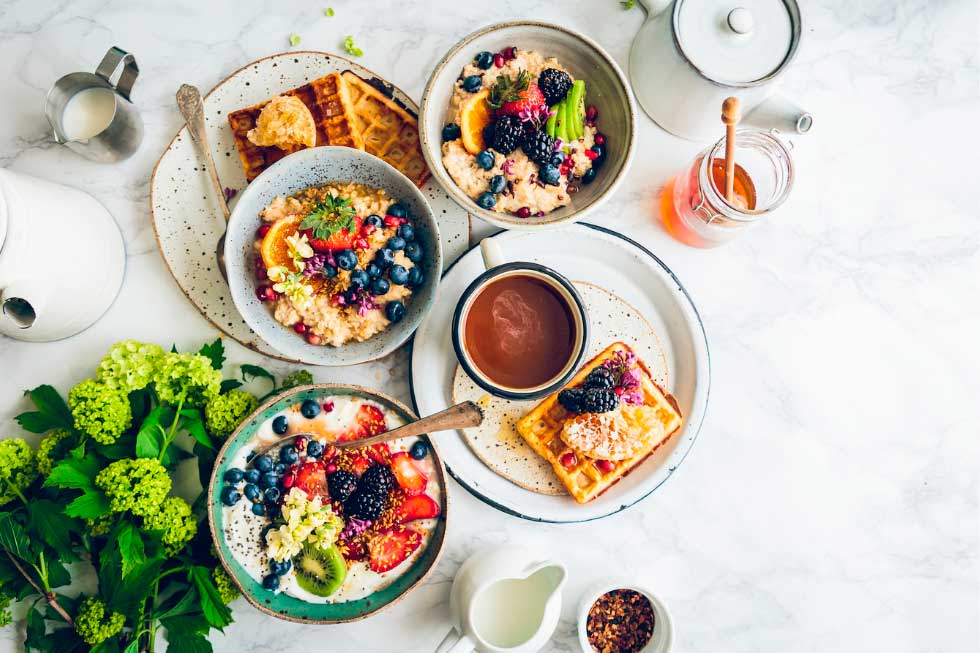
x: 527, y: 201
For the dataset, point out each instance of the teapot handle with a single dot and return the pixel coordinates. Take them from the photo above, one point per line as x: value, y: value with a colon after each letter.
x: 110, y: 62
x: 655, y: 7
x: 777, y: 112
x: 454, y: 642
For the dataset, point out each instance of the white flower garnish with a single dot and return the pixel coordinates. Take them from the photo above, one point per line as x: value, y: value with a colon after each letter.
x: 293, y: 286
x: 299, y: 249
x: 277, y: 272
x: 307, y: 521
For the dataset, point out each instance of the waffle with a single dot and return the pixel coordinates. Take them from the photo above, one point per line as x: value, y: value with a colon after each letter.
x: 327, y: 98
x: 542, y: 427
x: 388, y: 131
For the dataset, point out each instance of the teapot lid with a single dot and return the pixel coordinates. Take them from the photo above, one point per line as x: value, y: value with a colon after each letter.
x: 737, y: 42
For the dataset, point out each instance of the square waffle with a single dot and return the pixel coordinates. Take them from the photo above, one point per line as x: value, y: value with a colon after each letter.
x: 542, y: 427
x: 388, y: 131
x: 327, y: 98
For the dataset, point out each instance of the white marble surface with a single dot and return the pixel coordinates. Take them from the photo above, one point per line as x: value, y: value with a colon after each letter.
x: 831, y: 503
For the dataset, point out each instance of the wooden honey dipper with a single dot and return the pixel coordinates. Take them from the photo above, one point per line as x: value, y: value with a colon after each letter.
x: 730, y: 116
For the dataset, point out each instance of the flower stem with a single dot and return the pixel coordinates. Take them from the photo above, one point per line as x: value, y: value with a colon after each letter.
x: 48, y: 595
x: 173, y: 429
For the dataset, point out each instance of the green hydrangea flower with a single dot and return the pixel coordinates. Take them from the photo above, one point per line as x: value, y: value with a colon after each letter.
x: 176, y: 521
x: 5, y: 617
x: 101, y: 412
x: 130, y: 365
x: 138, y: 485
x: 18, y: 469
x: 224, y: 413
x: 99, y: 526
x: 53, y: 448
x: 187, y: 376
x: 227, y: 589
x: 96, y: 623
x: 299, y: 377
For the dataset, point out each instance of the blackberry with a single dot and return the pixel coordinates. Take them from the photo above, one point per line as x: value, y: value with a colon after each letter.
x: 600, y: 378
x: 507, y: 133
x: 365, y: 505
x: 539, y: 147
x: 554, y: 85
x: 377, y: 480
x: 342, y: 484
x: 571, y: 399
x: 599, y: 400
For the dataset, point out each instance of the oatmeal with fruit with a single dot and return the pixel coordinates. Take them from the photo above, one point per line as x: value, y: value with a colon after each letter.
x: 337, y: 263
x: 522, y: 139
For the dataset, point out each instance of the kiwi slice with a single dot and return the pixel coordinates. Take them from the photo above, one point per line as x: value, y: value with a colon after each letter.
x: 575, y: 112
x: 561, y: 128
x: 552, y: 123
x: 320, y: 571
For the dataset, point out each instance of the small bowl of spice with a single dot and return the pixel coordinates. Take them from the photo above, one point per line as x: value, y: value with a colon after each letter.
x: 623, y: 618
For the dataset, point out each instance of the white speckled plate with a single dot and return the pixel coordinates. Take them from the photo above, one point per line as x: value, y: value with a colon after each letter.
x: 186, y: 216
x: 611, y: 261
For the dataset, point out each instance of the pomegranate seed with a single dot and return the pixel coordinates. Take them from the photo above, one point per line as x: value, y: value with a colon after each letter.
x: 510, y: 53
x: 563, y: 169
x: 600, y: 139
x: 331, y: 468
x: 261, y: 274
x: 300, y: 443
x: 262, y: 231
x: 592, y: 154
x: 265, y: 293
x: 567, y: 459
x: 299, y: 327
x: 618, y: 391
x: 498, y: 60
x: 288, y: 480
x: 392, y: 221
x: 313, y: 338
x: 361, y: 243
x: 524, y: 212
x: 605, y: 466
x: 328, y: 406
x: 572, y: 189
x: 338, y: 299
x: 591, y: 113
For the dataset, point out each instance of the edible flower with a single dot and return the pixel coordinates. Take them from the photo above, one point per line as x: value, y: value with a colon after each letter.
x: 299, y: 249
x: 307, y: 521
x: 627, y: 386
x: 293, y: 287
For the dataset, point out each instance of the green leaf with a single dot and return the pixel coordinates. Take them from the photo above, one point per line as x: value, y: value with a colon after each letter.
x: 35, y: 640
x: 188, y: 602
x: 205, y: 463
x: 173, y: 348
x: 139, y: 403
x: 65, y: 640
x: 35, y: 422
x: 14, y: 538
x: 230, y: 384
x: 77, y: 473
x: 58, y: 574
x: 91, y: 505
x: 215, y: 352
x: 193, y: 423
x: 126, y: 594
x: 150, y: 437
x: 131, y: 549
x: 255, y: 371
x: 214, y: 609
x: 174, y: 455
x: 186, y: 634
x: 49, y: 402
x: 49, y: 523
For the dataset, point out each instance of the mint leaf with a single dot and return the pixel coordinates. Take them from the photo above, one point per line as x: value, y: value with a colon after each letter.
x: 49, y: 523
x: 215, y: 352
x: 214, y: 609
x: 91, y: 505
x: 131, y: 549
x: 77, y: 473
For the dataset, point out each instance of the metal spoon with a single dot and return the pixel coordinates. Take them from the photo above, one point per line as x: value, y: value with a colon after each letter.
x: 455, y: 417
x: 192, y: 108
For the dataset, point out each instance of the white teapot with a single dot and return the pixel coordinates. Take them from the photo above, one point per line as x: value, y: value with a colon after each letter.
x: 61, y: 258
x: 692, y: 54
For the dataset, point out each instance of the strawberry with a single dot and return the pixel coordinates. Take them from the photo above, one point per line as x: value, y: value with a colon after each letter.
x: 311, y: 477
x: 529, y: 102
x: 420, y: 507
x: 359, y: 464
x: 368, y: 421
x: 354, y: 549
x: 389, y: 548
x: 343, y: 238
x: 379, y: 453
x: 409, y: 478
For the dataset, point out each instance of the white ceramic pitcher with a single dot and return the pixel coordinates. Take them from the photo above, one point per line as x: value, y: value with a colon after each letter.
x: 692, y: 54
x: 61, y: 258
x: 503, y: 600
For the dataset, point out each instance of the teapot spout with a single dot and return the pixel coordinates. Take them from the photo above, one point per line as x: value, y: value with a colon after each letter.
x: 777, y: 112
x: 19, y: 305
x: 551, y: 576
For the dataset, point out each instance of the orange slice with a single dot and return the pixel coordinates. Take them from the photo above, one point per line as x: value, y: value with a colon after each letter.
x: 275, y: 250
x: 474, y: 116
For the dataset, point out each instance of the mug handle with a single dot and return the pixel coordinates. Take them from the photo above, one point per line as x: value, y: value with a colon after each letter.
x: 110, y: 62
x: 454, y: 642
x: 492, y: 254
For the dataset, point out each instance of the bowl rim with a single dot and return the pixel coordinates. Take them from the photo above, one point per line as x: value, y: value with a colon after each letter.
x: 237, y: 287
x: 356, y: 390
x: 503, y: 220
x: 597, y: 589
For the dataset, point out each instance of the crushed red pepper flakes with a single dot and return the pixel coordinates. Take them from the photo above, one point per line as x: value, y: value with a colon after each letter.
x: 620, y: 621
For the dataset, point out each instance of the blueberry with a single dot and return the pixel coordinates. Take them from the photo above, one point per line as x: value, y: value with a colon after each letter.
x: 311, y: 408
x: 415, y: 278
x: 549, y: 174
x: 271, y: 582
x: 230, y: 496
x: 270, y: 479
x: 473, y: 83
x: 272, y: 509
x: 314, y: 449
x: 414, y: 252
x: 398, y: 275
x: 280, y: 468
x: 264, y: 464
x: 487, y: 200
x: 272, y: 494
x: 373, y: 270
x: 407, y: 232
x: 396, y: 243
x: 252, y: 476
x: 359, y: 278
x: 251, y: 492
x: 380, y: 286
x: 395, y: 311
x: 557, y: 159
x: 351, y: 296
x: 497, y: 184
x: 265, y: 530
x: 258, y: 509
x: 234, y: 475
x: 418, y: 450
x: 288, y: 454
x: 374, y: 220
x: 346, y: 259
x: 248, y: 458
x: 589, y: 176
x: 451, y: 132
x: 484, y: 60
x: 600, y: 150
x: 384, y: 258
x: 398, y: 209
x: 485, y: 159
x: 280, y: 568
x: 329, y: 271
x: 279, y: 426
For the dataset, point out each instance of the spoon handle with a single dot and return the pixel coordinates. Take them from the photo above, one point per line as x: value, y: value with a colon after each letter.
x: 454, y: 417
x: 192, y: 108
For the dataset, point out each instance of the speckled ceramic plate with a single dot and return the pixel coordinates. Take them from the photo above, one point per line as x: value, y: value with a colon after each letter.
x: 291, y: 608
x: 186, y: 217
x: 611, y: 261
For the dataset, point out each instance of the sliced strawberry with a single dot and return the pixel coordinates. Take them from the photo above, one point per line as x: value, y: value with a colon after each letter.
x: 419, y: 507
x: 379, y: 453
x: 368, y: 421
x: 342, y: 239
x: 359, y: 464
x: 311, y: 477
x: 409, y: 478
x: 531, y: 103
x: 354, y: 549
x: 389, y: 548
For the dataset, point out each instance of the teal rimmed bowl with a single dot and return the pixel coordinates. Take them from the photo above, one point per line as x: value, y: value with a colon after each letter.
x: 290, y: 608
